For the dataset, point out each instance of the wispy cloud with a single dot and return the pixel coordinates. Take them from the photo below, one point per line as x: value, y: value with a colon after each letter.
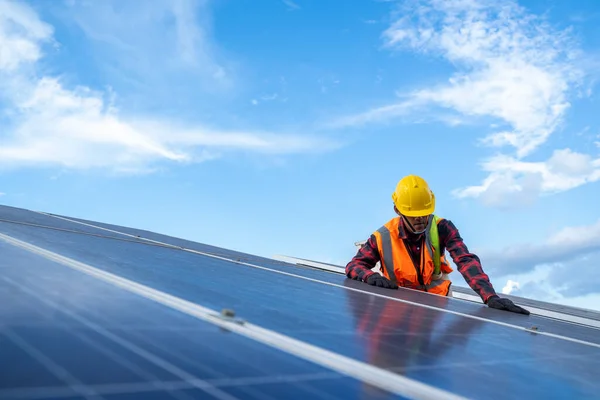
x: 20, y: 47
x: 513, y: 65
x: 512, y: 182
x: 568, y: 282
x: 268, y: 98
x: 566, y: 245
x: 378, y: 115
x: 51, y: 124
x: 558, y: 268
x: 291, y: 5
x: 513, y: 69
x: 164, y: 48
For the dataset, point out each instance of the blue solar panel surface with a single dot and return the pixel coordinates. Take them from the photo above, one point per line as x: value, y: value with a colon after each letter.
x: 90, y: 329
x: 543, y: 324
x: 68, y: 333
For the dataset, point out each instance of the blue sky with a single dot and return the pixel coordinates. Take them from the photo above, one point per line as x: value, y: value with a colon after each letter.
x: 282, y: 127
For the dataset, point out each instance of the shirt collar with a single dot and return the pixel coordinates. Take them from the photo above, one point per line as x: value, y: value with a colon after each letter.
x: 402, y: 234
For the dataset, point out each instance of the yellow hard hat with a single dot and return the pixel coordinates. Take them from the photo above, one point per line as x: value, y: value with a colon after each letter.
x: 413, y: 197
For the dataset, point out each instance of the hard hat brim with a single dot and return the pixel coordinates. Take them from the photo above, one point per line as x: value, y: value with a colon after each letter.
x: 417, y: 213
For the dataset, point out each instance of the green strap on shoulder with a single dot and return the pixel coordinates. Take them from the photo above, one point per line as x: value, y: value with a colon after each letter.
x: 435, y: 242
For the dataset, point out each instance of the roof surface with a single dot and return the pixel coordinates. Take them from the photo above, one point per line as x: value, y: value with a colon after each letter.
x: 92, y: 310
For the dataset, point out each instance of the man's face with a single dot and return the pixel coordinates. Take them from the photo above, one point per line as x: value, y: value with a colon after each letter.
x: 417, y: 224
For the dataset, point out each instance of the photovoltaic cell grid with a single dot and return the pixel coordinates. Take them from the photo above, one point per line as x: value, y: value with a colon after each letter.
x: 66, y: 332
x: 117, y: 232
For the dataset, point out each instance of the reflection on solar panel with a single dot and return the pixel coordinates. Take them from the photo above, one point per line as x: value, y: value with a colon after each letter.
x: 92, y: 310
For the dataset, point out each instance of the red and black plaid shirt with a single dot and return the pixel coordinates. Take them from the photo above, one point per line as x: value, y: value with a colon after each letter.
x: 469, y: 265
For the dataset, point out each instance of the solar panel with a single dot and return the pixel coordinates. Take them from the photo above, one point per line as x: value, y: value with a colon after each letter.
x: 68, y: 333
x: 94, y: 311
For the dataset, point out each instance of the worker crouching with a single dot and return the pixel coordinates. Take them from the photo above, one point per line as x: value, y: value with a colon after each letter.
x: 411, y: 250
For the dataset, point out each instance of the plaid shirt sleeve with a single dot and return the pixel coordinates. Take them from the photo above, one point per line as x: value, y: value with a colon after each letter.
x: 362, y: 264
x: 468, y: 263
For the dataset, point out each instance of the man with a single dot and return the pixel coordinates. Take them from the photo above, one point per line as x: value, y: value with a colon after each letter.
x: 411, y: 249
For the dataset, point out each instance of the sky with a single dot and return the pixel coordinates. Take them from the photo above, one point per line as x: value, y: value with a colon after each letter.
x: 282, y: 127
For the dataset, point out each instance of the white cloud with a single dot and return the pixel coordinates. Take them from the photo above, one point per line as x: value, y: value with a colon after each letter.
x: 512, y: 182
x: 560, y: 269
x: 166, y: 42
x: 510, y: 286
x: 512, y: 65
x: 514, y: 70
x: 79, y: 129
x: 380, y: 114
x: 561, y: 283
x: 565, y: 246
x: 50, y: 124
x: 20, y: 46
x: 192, y: 40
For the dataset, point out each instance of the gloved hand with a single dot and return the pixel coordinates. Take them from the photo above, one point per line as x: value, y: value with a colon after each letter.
x: 381, y: 281
x: 505, y: 304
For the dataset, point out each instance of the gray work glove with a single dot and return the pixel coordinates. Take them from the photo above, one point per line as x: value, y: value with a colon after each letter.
x: 381, y: 281
x: 505, y: 304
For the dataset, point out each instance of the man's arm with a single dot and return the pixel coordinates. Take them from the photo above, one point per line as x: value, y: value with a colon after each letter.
x: 469, y: 266
x: 361, y: 265
x: 468, y: 263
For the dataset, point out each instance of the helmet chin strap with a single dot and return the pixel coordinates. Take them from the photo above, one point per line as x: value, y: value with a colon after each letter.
x: 412, y: 228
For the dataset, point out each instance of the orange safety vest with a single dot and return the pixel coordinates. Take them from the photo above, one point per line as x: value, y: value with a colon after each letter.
x: 397, y: 265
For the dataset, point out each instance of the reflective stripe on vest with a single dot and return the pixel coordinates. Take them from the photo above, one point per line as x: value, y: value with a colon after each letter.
x: 432, y: 240
x: 388, y: 259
